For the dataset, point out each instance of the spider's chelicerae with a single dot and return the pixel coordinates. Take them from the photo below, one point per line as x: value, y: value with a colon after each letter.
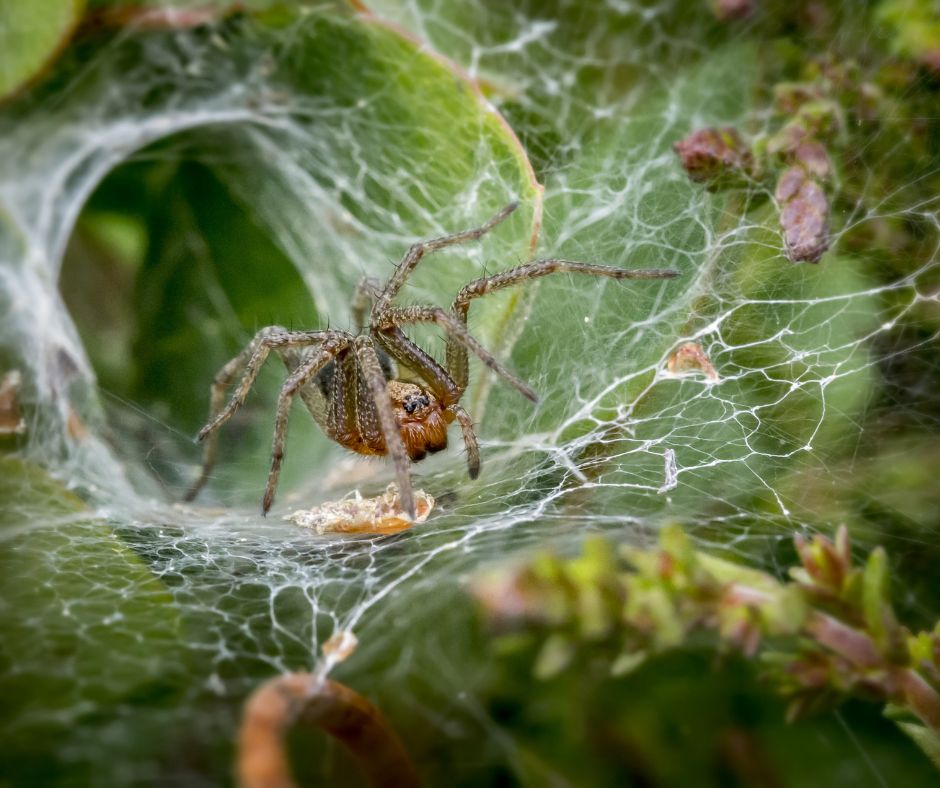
x: 350, y: 384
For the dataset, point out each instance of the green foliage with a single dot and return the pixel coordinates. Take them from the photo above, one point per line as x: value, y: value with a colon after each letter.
x: 31, y: 34
x: 86, y: 628
x: 829, y: 634
x: 916, y: 28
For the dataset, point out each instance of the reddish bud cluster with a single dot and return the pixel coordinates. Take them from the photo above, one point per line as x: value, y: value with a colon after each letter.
x: 804, y: 215
x: 710, y: 155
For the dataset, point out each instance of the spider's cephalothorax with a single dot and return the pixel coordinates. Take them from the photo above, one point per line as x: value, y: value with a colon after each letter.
x: 349, y: 383
x: 422, y: 419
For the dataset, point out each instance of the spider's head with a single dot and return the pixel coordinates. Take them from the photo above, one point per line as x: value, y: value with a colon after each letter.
x: 421, y: 419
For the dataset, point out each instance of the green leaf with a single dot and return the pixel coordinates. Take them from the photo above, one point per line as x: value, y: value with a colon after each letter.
x: 627, y: 663
x: 928, y: 740
x: 555, y: 655
x: 209, y: 277
x: 879, y: 614
x: 915, y: 24
x: 31, y: 35
x: 85, y: 625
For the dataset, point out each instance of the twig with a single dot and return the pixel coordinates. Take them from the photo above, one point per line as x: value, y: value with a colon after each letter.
x: 303, y: 698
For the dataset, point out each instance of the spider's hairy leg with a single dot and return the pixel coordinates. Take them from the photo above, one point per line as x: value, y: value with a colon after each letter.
x: 417, y: 251
x: 217, y: 396
x: 297, y: 380
x: 458, y: 332
x: 469, y: 439
x: 380, y: 409
x: 257, y: 351
x: 457, y: 352
x: 248, y: 363
x: 367, y: 291
x: 394, y: 342
x: 539, y: 268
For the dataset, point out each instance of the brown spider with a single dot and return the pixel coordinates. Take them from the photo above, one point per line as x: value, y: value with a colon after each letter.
x: 349, y: 384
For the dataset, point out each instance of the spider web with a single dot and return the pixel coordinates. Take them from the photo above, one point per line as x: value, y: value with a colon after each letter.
x: 816, y: 366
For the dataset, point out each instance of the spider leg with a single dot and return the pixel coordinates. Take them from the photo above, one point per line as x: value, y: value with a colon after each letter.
x: 379, y: 409
x: 258, y: 353
x: 408, y: 354
x: 295, y: 381
x: 248, y: 362
x: 439, y: 381
x: 367, y: 291
x: 457, y: 351
x: 217, y: 396
x: 417, y: 251
x: 469, y: 439
x: 457, y: 331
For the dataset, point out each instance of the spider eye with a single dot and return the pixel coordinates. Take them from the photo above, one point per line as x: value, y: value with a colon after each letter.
x: 412, y: 403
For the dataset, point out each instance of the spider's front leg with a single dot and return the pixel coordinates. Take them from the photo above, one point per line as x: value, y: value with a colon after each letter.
x: 217, y: 396
x: 299, y: 378
x: 247, y: 363
x: 367, y: 291
x: 419, y: 250
x: 379, y: 409
x: 457, y: 333
x: 457, y: 348
x: 438, y: 381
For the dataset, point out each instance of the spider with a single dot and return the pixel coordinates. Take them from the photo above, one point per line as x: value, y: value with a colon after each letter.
x: 349, y: 383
